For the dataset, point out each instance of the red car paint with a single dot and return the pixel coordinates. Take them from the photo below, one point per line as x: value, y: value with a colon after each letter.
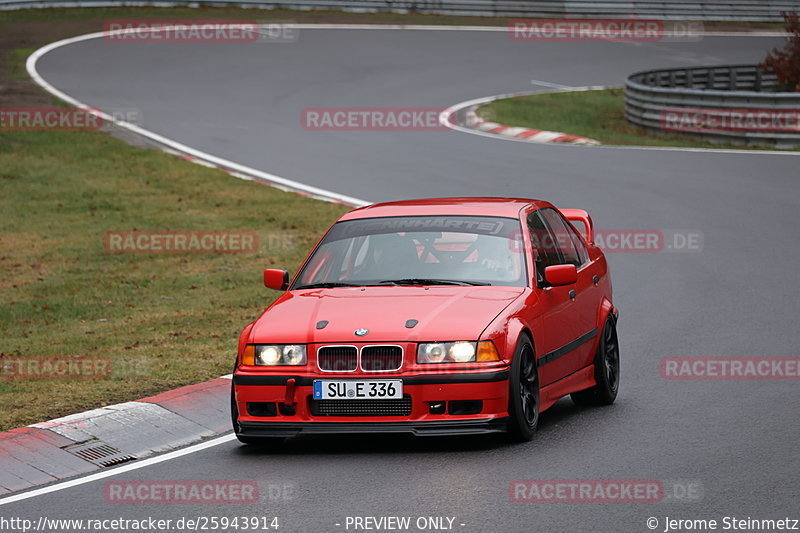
x: 563, y: 322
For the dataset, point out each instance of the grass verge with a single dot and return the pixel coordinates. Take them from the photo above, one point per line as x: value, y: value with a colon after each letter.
x: 595, y: 114
x: 163, y: 320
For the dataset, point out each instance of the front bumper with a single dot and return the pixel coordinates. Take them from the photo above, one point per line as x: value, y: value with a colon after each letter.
x: 297, y: 413
x: 420, y: 429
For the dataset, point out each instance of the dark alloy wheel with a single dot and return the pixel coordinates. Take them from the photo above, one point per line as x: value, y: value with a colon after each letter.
x: 523, y: 392
x: 606, y: 369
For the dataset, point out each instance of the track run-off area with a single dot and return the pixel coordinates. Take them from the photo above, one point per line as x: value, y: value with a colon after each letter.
x: 721, y: 448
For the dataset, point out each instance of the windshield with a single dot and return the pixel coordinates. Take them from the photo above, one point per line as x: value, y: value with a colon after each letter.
x: 458, y: 250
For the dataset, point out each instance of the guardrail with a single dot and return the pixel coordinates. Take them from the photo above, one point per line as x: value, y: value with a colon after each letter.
x: 737, y: 104
x: 732, y: 10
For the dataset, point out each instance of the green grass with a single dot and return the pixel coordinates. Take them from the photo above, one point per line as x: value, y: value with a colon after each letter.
x: 595, y: 114
x: 16, y: 63
x: 163, y: 320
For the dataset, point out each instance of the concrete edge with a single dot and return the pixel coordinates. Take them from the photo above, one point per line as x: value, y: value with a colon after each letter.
x: 93, y: 440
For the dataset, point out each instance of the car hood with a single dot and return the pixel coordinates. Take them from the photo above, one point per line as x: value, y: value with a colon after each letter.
x: 444, y: 313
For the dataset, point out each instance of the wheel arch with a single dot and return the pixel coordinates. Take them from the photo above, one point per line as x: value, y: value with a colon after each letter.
x: 605, y: 309
x: 516, y: 329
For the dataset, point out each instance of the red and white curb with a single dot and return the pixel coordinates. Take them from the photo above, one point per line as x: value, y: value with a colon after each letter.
x: 463, y: 117
x: 86, y: 442
x: 472, y: 120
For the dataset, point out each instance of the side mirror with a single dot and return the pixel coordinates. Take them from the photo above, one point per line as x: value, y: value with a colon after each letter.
x: 276, y: 279
x: 560, y: 275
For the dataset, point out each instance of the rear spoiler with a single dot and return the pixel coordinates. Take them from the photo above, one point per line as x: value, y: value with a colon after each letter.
x: 579, y: 215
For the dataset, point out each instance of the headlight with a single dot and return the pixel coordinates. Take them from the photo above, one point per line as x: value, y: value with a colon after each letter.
x: 462, y: 352
x: 280, y: 354
x: 446, y: 352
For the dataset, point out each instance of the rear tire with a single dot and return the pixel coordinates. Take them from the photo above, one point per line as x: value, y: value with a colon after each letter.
x: 606, y: 369
x: 523, y: 392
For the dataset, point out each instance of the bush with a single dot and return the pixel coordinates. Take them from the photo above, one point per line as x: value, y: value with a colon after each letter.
x: 786, y: 63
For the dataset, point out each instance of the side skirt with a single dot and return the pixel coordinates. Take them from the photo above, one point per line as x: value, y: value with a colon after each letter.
x: 580, y: 380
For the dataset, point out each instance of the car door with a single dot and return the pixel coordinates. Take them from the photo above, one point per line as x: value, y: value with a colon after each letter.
x: 555, y: 328
x: 584, y: 295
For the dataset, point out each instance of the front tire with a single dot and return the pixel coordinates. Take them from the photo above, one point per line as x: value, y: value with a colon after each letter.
x: 523, y: 399
x: 606, y: 369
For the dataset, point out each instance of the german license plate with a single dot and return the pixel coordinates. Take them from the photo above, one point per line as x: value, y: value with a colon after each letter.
x: 378, y: 389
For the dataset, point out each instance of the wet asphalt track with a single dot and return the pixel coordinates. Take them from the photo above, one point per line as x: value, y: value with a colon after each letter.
x: 738, y: 297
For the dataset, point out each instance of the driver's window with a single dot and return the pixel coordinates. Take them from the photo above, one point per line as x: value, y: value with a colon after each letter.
x: 564, y: 237
x: 545, y: 249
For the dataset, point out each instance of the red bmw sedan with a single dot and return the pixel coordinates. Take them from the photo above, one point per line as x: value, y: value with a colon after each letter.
x: 443, y: 316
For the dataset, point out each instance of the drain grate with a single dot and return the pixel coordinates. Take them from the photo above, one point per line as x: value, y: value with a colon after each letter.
x: 99, y: 453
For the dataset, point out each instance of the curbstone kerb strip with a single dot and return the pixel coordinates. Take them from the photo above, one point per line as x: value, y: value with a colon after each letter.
x: 31, y: 456
x: 40, y: 453
x: 463, y: 117
x: 206, y: 404
x: 473, y: 121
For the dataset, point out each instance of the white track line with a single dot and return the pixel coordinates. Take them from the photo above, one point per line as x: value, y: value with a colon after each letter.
x: 553, y: 85
x: 289, y: 184
x: 278, y: 181
x: 115, y: 471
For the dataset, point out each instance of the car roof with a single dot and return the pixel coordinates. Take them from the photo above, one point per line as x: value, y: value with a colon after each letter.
x: 478, y: 206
